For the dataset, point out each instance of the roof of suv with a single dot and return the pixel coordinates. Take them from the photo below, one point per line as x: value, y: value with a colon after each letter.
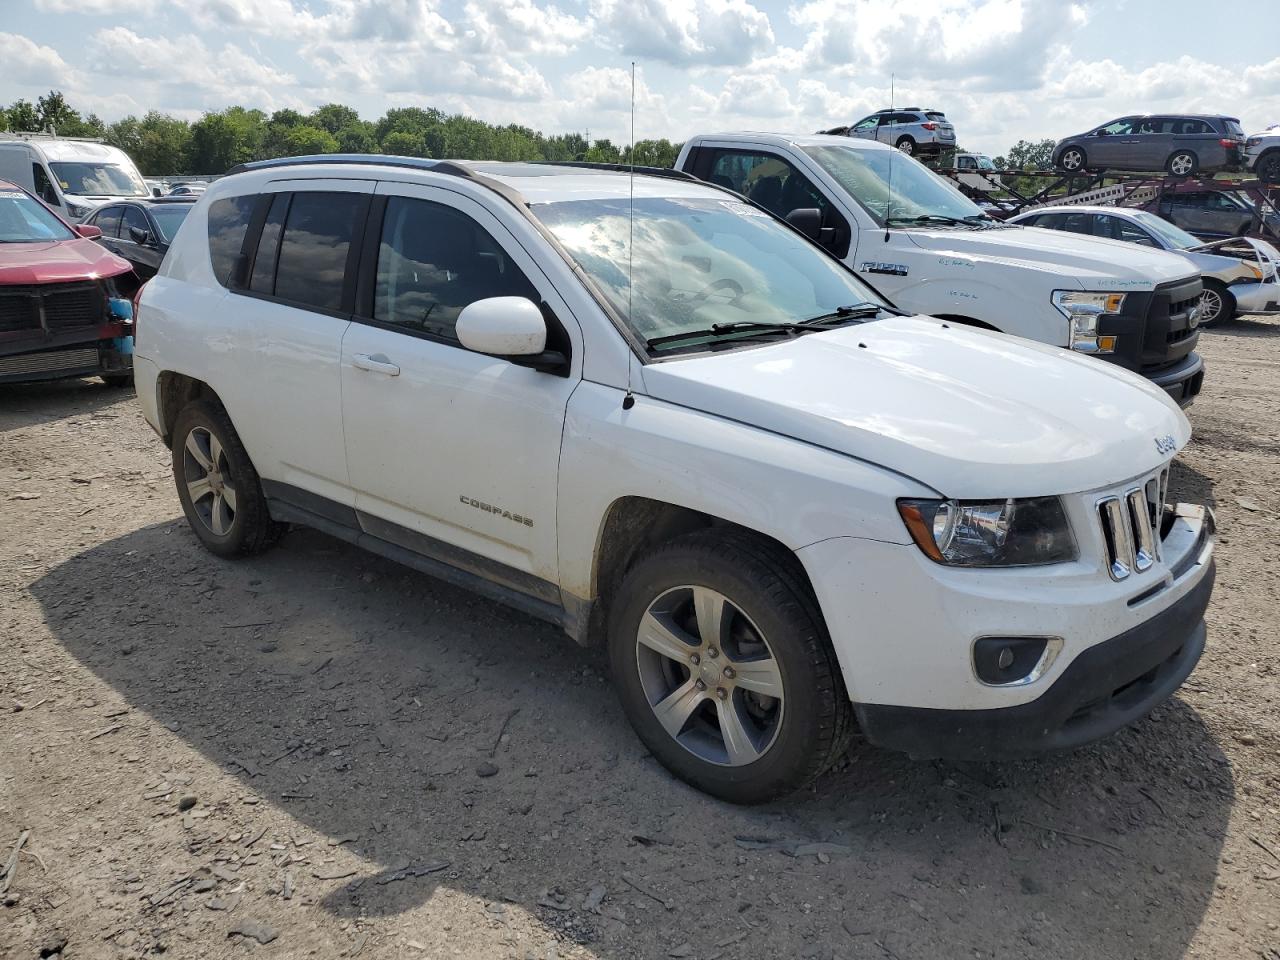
x: 797, y: 139
x: 534, y: 182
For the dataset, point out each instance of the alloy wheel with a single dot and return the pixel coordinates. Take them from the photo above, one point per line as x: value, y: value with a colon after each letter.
x: 1210, y: 306
x: 907, y: 147
x: 709, y: 676
x: 209, y: 482
x: 1181, y: 164
x: 1072, y: 160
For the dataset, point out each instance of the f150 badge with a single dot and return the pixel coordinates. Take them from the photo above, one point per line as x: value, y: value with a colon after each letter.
x: 892, y: 269
x: 1165, y: 444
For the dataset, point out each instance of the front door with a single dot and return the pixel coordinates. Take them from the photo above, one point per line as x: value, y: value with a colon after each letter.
x: 449, y: 449
x: 1107, y: 147
x: 145, y: 255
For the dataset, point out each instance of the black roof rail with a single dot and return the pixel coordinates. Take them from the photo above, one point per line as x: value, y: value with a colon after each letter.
x: 369, y: 159
x: 620, y: 168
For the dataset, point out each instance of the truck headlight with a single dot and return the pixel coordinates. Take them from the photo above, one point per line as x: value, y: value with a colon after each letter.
x: 1082, y: 310
x: 990, y: 533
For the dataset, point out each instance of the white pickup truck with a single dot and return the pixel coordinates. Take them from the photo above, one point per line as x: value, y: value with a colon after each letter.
x: 649, y: 412
x: 920, y: 242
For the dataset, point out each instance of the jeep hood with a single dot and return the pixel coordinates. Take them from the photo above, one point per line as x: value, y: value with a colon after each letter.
x: 1094, y: 262
x: 57, y: 261
x: 967, y: 412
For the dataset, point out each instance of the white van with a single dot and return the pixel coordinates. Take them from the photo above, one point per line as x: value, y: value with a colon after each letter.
x: 72, y: 175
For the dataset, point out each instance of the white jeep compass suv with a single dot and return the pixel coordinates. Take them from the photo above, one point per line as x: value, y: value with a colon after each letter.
x: 653, y: 414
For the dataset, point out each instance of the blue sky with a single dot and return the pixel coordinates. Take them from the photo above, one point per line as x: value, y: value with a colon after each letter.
x: 1003, y: 70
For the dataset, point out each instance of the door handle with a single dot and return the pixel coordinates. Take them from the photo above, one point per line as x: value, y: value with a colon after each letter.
x: 375, y: 364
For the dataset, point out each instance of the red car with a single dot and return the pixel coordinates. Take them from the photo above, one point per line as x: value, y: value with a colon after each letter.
x: 64, y: 300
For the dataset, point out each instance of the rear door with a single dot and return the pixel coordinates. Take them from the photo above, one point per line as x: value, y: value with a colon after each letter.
x: 301, y: 254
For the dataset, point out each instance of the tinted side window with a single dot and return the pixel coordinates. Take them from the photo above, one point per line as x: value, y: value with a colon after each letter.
x: 263, y: 279
x: 317, y: 236
x: 228, y: 221
x: 133, y: 217
x: 770, y: 181
x: 434, y: 260
x: 108, y: 221
x: 44, y: 188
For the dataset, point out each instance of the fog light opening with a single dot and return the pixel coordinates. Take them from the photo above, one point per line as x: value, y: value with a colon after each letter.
x: 1013, y: 661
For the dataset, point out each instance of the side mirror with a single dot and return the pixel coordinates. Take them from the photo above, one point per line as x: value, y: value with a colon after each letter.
x: 808, y: 220
x: 139, y: 236
x: 88, y: 231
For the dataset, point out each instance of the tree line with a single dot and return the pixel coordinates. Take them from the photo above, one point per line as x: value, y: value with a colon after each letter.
x: 162, y: 145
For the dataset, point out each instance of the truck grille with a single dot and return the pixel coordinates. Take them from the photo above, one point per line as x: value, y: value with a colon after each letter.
x: 1131, y: 526
x: 49, y: 362
x: 51, y: 306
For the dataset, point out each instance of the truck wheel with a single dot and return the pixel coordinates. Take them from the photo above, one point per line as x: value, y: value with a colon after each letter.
x: 1268, y: 167
x: 1183, y: 163
x: 217, y: 484
x: 906, y: 145
x: 1216, y: 304
x: 725, y: 669
x: 1072, y: 160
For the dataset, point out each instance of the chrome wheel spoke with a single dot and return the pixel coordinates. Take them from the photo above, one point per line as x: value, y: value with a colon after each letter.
x: 197, y: 490
x: 197, y: 454
x: 663, y: 639
x: 674, y: 711
x: 229, y: 495
x: 215, y: 450
x: 709, y: 607
x: 738, y: 744
x: 759, y: 676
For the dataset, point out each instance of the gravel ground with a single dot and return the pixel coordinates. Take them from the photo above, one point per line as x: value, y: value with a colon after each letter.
x: 318, y: 753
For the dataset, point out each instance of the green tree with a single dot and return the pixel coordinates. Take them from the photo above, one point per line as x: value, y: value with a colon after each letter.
x: 334, y: 117
x: 1027, y: 155
x: 54, y: 111
x: 358, y: 137
x: 654, y: 153
x: 402, y: 143
x: 603, y: 151
x: 23, y: 116
x: 304, y: 140
x: 221, y: 140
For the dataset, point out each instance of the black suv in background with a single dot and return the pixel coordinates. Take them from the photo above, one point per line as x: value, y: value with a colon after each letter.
x: 1181, y: 144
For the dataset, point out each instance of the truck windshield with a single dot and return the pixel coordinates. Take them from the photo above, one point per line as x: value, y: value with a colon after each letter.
x: 24, y: 219
x: 917, y: 191
x: 98, y: 180
x: 698, y: 262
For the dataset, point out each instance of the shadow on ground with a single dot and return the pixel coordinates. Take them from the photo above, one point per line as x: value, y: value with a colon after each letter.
x: 29, y: 404
x: 361, y: 697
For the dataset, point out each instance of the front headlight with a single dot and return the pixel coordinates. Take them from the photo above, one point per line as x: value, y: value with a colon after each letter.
x: 1082, y: 310
x: 995, y: 533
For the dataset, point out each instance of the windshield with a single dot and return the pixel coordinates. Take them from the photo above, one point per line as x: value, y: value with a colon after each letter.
x: 1176, y: 237
x: 98, y: 180
x: 169, y: 218
x: 23, y: 219
x: 699, y: 262
x: 865, y: 175
x: 986, y: 163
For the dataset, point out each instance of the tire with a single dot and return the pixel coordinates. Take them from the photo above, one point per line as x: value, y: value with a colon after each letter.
x: 1223, y: 303
x: 1072, y: 160
x: 229, y: 526
x: 1182, y: 163
x: 1268, y: 167
x: 906, y: 145
x: 782, y: 742
x: 118, y: 380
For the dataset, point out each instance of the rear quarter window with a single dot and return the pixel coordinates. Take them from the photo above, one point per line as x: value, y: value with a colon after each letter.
x: 939, y: 117
x: 228, y: 223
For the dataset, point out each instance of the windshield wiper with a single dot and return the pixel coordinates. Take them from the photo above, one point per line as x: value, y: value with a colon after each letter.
x: 930, y: 218
x: 840, y: 314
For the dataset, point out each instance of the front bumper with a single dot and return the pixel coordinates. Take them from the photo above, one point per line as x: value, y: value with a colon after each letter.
x: 1256, y: 297
x: 1182, y: 381
x: 1106, y: 688
x: 108, y: 356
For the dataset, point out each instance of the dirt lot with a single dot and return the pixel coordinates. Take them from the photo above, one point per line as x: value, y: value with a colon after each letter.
x: 198, y: 752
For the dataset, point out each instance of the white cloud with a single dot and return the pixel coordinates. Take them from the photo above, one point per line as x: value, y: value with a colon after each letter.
x: 523, y: 26
x: 26, y: 62
x: 96, y: 8
x: 685, y: 32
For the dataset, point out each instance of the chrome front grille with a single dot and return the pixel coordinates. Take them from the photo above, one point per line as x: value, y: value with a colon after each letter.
x: 1131, y: 526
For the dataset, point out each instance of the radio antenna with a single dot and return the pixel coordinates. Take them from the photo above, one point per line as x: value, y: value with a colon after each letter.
x: 629, y: 400
x: 888, y: 200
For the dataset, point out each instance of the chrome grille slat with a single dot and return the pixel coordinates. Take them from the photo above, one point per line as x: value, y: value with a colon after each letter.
x: 1131, y: 526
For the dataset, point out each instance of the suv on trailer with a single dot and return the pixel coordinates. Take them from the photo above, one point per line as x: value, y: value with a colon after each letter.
x: 921, y: 242
x: 914, y: 131
x: 1181, y: 145
x: 64, y: 307
x: 1262, y: 154
x: 651, y: 413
